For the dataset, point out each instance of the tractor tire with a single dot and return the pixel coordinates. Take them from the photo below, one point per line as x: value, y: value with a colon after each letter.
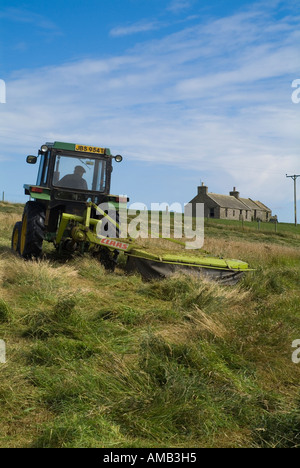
x: 16, y: 236
x: 108, y: 259
x: 33, y: 231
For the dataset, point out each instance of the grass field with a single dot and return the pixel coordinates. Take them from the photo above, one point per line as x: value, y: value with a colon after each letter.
x: 96, y: 359
x: 282, y: 229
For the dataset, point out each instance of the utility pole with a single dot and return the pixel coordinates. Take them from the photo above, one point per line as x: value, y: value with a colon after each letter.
x: 294, y: 177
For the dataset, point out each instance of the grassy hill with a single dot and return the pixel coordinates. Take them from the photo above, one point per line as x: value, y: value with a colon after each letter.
x: 96, y: 359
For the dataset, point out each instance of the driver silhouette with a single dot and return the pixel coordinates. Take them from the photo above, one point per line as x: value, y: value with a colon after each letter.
x: 74, y: 180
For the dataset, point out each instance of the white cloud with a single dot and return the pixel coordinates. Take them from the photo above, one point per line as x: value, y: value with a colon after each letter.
x: 21, y: 15
x: 141, y: 26
x: 177, y: 6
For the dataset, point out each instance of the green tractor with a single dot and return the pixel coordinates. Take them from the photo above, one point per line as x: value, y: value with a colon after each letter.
x: 72, y: 208
x: 71, y: 205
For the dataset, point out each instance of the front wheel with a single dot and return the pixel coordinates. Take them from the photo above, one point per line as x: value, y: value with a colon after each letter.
x: 33, y: 231
x: 16, y: 236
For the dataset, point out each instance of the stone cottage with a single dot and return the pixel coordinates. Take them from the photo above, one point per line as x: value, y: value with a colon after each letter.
x: 230, y: 206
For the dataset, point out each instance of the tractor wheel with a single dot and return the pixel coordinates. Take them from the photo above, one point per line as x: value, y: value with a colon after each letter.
x: 33, y: 230
x: 16, y: 236
x: 108, y: 259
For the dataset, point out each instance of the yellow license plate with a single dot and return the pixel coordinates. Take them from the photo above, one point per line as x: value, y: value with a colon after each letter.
x: 89, y: 149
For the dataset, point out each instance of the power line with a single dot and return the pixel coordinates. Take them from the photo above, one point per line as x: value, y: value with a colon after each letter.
x: 294, y: 177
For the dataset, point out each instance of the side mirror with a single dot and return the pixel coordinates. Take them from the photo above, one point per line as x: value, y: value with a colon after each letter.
x: 31, y: 159
x: 118, y: 158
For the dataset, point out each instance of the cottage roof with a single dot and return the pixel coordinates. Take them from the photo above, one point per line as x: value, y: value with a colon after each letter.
x: 228, y: 201
x: 252, y: 204
x: 262, y: 206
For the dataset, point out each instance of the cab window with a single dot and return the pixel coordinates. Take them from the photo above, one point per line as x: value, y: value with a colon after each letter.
x: 43, y: 170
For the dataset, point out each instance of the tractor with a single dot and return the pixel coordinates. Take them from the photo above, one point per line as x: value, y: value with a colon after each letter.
x: 66, y: 204
x: 71, y: 207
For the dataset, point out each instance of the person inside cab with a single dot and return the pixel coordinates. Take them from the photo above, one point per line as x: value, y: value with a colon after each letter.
x: 75, y: 180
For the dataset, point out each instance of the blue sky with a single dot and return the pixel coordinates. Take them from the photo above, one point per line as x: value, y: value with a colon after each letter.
x: 186, y: 90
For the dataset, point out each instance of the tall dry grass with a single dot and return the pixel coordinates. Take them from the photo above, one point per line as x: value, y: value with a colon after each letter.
x: 105, y: 360
x: 258, y: 252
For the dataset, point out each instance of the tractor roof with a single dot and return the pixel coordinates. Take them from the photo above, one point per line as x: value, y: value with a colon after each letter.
x: 79, y: 148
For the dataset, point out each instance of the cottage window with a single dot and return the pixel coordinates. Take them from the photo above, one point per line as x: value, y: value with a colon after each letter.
x: 212, y: 213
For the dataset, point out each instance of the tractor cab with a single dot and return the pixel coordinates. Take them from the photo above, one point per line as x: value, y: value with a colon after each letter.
x: 70, y: 172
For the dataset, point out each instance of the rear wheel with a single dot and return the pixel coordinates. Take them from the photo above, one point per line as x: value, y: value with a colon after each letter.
x: 16, y: 236
x: 33, y: 230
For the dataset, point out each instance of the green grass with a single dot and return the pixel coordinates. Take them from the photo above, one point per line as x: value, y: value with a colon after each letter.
x: 96, y: 359
x: 279, y: 230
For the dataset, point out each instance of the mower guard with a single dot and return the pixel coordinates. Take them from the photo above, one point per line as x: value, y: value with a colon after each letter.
x: 155, y: 267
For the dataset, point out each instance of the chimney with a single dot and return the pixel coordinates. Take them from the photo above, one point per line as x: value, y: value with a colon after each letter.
x: 203, y: 189
x: 234, y: 193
